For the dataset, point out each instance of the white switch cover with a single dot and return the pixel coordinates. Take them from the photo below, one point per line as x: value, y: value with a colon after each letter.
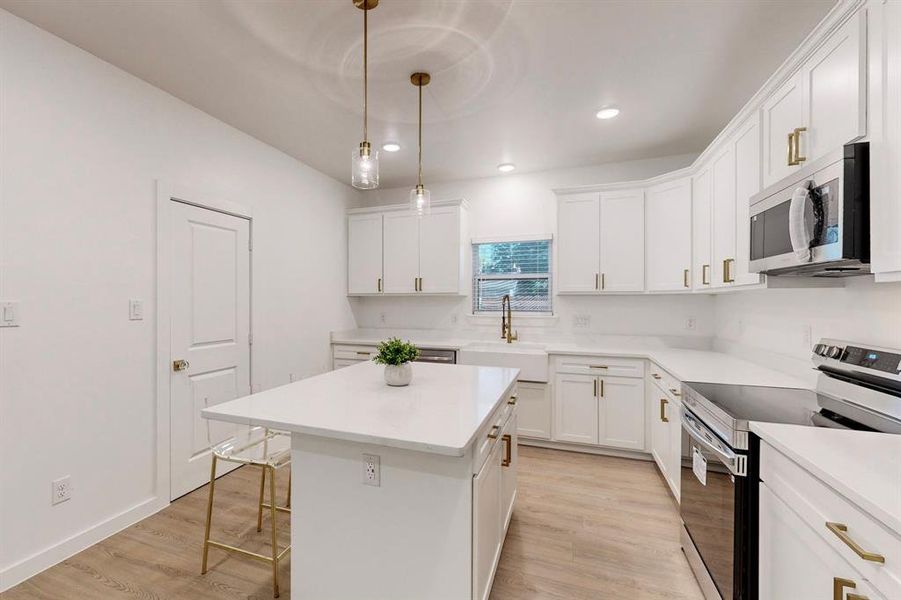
x: 371, y: 470
x: 9, y: 314
x: 136, y: 310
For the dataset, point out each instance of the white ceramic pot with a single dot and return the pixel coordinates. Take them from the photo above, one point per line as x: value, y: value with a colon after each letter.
x: 399, y: 375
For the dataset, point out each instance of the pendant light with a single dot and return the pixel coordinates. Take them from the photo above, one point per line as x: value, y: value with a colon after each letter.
x: 420, y: 198
x: 365, y: 160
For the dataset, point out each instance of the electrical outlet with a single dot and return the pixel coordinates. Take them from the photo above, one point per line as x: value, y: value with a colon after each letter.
x: 290, y: 377
x: 691, y: 323
x: 372, y: 472
x: 61, y: 489
x: 382, y: 318
x: 581, y: 321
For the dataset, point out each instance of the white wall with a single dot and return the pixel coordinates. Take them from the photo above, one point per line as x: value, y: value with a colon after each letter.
x: 82, y: 146
x: 776, y: 327
x: 511, y: 205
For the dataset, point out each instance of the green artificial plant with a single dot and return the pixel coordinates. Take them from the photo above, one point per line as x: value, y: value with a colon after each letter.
x: 396, y: 352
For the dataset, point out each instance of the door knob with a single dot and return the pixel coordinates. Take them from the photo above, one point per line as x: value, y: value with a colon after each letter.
x: 180, y: 365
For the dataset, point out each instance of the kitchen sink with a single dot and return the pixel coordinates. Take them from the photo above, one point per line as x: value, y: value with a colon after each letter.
x: 529, y: 357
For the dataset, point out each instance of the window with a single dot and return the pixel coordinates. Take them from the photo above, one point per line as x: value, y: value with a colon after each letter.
x: 521, y: 269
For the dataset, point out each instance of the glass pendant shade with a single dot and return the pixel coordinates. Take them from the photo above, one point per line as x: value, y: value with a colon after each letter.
x: 365, y: 168
x: 420, y: 200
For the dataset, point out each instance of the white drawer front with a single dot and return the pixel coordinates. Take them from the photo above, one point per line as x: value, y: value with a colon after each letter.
x: 818, y: 504
x: 663, y: 380
x: 599, y: 365
x: 353, y: 352
x: 490, y: 434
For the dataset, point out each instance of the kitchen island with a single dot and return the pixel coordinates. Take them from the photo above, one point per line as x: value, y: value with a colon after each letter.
x: 397, y: 493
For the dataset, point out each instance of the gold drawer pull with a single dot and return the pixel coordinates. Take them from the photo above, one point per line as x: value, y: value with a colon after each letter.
x: 663, y: 403
x: 598, y: 367
x: 655, y: 376
x: 359, y: 353
x: 508, y: 450
x: 492, y: 435
x: 512, y: 400
x: 675, y: 392
x: 841, y: 532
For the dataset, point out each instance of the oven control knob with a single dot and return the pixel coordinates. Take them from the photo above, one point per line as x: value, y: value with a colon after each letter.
x: 819, y: 349
x: 833, y: 352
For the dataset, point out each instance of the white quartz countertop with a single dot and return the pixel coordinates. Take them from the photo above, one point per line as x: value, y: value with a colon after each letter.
x: 439, y: 412
x: 684, y: 364
x: 862, y: 466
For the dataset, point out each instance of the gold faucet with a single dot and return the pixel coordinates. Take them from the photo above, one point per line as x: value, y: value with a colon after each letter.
x: 507, y: 332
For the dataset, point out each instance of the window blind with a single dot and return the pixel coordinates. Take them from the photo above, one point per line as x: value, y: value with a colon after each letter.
x: 520, y: 269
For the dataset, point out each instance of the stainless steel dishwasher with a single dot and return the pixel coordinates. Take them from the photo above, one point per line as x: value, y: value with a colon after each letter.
x: 432, y: 355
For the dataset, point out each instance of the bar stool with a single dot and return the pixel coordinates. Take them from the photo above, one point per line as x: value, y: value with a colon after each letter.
x: 253, y: 446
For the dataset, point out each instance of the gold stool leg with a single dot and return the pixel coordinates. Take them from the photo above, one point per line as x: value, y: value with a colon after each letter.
x: 209, y: 516
x: 262, y: 489
x: 272, y: 515
x: 288, y: 503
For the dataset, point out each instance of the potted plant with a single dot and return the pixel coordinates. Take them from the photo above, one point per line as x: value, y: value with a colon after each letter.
x: 397, y: 355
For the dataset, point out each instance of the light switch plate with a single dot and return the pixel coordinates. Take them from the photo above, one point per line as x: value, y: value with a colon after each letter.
x: 9, y: 314
x: 136, y: 310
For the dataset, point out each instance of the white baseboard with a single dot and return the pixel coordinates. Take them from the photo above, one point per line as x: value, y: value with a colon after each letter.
x: 600, y: 450
x: 34, y: 564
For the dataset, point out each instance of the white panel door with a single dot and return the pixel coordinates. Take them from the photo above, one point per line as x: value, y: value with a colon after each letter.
x: 723, y: 170
x: 210, y: 329
x: 797, y: 563
x: 835, y: 91
x: 658, y: 405
x: 622, y: 241
x: 578, y: 243
x: 668, y: 247
x: 747, y: 183
x: 701, y: 215
x: 401, y: 257
x: 673, y: 412
x: 364, y: 254
x: 576, y: 409
x: 782, y: 112
x: 621, y: 404
x: 486, y: 523
x: 439, y: 251
x: 533, y: 405
x: 509, y: 468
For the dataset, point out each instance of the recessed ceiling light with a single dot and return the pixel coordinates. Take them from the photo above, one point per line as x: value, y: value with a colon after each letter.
x: 506, y: 167
x: 607, y: 113
x: 390, y: 146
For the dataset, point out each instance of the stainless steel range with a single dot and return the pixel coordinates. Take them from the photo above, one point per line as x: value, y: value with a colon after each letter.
x: 858, y: 387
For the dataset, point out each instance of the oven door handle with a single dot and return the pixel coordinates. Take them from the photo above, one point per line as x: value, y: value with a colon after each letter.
x: 727, y: 457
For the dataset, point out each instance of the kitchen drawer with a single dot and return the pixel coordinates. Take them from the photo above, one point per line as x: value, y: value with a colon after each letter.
x: 353, y: 352
x: 599, y: 366
x: 818, y: 504
x: 340, y: 363
x: 490, y: 433
x: 663, y: 380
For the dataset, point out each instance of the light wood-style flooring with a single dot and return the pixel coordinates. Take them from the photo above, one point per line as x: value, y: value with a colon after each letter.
x: 584, y: 527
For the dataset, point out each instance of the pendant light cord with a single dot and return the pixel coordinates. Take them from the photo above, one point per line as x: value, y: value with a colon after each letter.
x: 420, y: 135
x: 365, y: 71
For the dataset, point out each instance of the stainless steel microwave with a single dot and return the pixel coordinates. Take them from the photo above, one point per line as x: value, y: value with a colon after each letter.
x: 815, y: 223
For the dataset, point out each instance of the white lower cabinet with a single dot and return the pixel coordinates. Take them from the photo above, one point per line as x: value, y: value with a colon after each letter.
x: 534, y: 410
x: 596, y: 409
x: 797, y: 563
x: 664, y: 411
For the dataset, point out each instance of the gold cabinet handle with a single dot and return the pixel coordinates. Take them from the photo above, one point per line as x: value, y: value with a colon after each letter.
x: 603, y: 281
x: 180, y: 365
x: 838, y: 587
x: 597, y: 279
x: 663, y: 403
x: 685, y: 282
x: 675, y: 392
x: 856, y: 597
x: 727, y: 270
x: 492, y: 435
x: 508, y: 450
x: 841, y: 532
x: 602, y: 389
x: 705, y: 275
x: 595, y: 388
x: 791, y: 153
x: 512, y: 400
x: 797, y: 143
x: 655, y: 376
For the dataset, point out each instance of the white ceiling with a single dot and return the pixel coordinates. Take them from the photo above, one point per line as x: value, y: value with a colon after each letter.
x: 512, y: 80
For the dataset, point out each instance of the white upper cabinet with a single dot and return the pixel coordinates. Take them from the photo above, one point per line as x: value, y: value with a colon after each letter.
x: 578, y: 243
x: 723, y: 197
x: 747, y: 183
x: 401, y: 253
x: 822, y: 107
x: 668, y: 227
x: 393, y: 251
x: 835, y: 90
x: 782, y: 112
x: 701, y: 227
x: 364, y: 254
x: 439, y: 251
x: 622, y: 241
